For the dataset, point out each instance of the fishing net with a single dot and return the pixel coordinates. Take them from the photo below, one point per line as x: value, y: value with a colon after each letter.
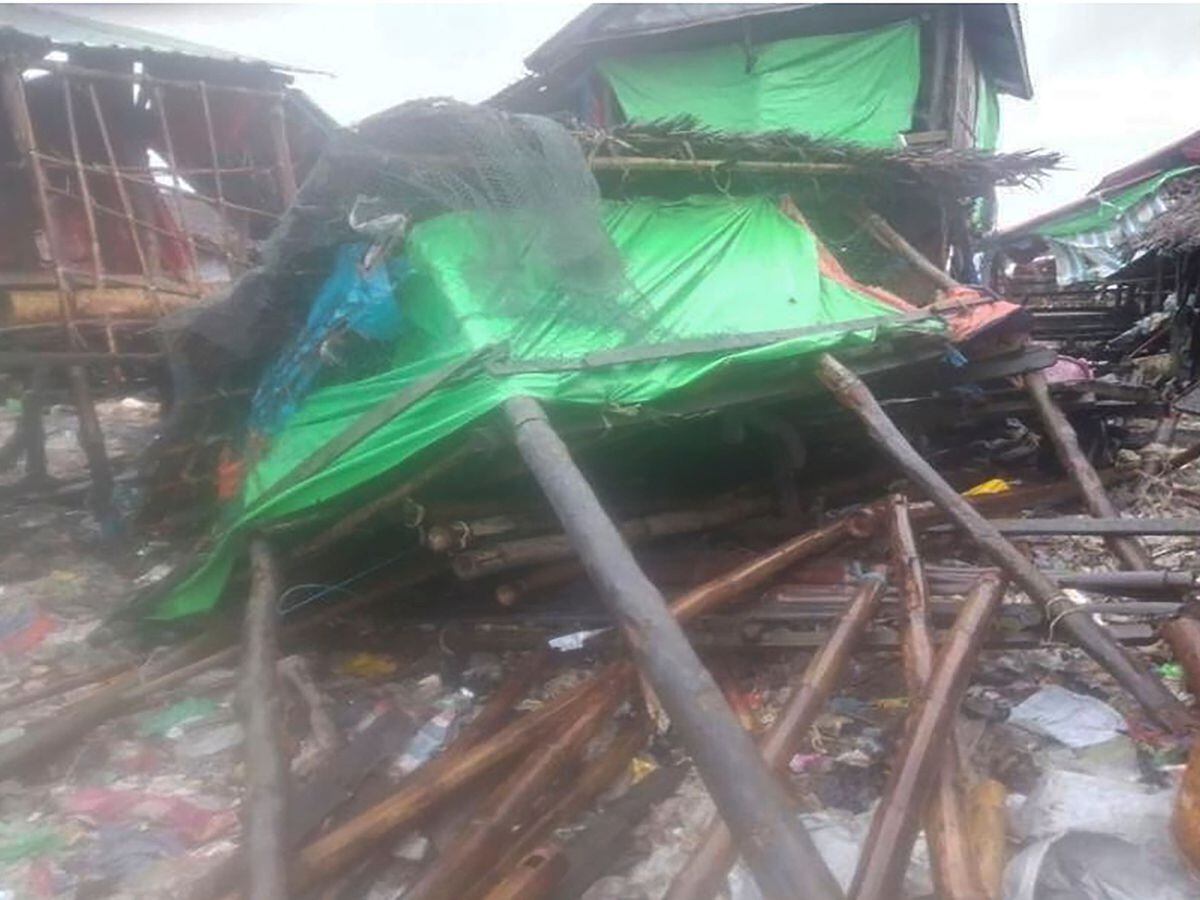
x: 532, y: 194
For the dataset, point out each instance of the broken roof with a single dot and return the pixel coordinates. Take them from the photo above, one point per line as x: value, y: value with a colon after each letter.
x: 57, y: 29
x: 994, y: 30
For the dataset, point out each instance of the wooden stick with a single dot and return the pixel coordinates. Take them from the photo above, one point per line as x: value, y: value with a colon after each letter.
x: 510, y: 803
x: 879, y: 228
x: 91, y: 439
x: 85, y: 190
x: 266, y: 767
x: 173, y: 169
x: 894, y: 827
x: 777, y: 849
x: 1109, y: 529
x: 953, y: 866
x: 711, y: 166
x: 534, y: 876
x: 217, y: 182
x: 703, y: 875
x: 505, y: 555
x: 285, y: 170
x: 440, y: 779
x: 1129, y: 671
x: 1066, y: 444
x: 1183, y: 637
x: 987, y: 825
x: 579, y: 794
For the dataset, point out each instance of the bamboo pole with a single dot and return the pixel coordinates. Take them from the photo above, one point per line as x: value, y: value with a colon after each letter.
x: 217, y: 182
x: 85, y: 190
x: 778, y: 850
x: 173, y: 168
x: 534, y: 877
x: 148, y: 258
x: 266, y: 768
x: 888, y: 846
x: 887, y: 236
x: 988, y: 828
x: 91, y: 440
x: 953, y: 866
x: 1128, y: 550
x: 16, y: 108
x: 284, y: 168
x: 505, y: 555
x: 510, y: 803
x: 1182, y: 635
x: 703, y: 875
x: 1129, y: 671
x: 579, y: 794
x: 439, y: 780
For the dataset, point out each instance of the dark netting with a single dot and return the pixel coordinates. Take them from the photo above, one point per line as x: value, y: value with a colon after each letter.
x: 528, y: 178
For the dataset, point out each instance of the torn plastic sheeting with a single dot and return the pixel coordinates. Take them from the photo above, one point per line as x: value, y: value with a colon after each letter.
x: 1076, y: 720
x: 685, y: 260
x: 839, y: 838
x: 1095, y: 839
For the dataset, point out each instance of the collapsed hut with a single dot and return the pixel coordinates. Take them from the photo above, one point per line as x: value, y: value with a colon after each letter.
x: 1089, y: 271
x: 141, y: 173
x: 490, y: 363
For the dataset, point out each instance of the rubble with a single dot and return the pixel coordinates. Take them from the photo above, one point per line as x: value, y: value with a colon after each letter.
x: 579, y: 528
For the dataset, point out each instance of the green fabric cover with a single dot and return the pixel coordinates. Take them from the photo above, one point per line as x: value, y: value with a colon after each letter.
x: 987, y: 114
x: 859, y: 87
x: 699, y: 267
x: 1104, y: 211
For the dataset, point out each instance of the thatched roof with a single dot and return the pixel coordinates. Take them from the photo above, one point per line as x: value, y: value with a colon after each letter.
x: 1178, y: 229
x: 788, y: 157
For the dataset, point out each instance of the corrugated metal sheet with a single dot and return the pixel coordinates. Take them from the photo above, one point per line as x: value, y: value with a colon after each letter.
x: 63, y: 29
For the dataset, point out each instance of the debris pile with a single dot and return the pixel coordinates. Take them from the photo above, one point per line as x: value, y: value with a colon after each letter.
x: 629, y: 511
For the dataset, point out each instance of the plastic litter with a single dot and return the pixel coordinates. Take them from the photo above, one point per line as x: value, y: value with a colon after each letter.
x: 170, y: 722
x: 1072, y: 719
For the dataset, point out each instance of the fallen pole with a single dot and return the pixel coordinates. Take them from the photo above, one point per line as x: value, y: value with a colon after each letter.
x: 703, y: 875
x: 1182, y: 635
x: 1096, y: 527
x: 507, y: 807
x: 533, y: 877
x: 439, y: 780
x: 778, y: 851
x: 1130, y: 672
x: 889, y: 843
x: 266, y: 768
x: 954, y: 871
x: 1066, y: 444
x: 502, y: 556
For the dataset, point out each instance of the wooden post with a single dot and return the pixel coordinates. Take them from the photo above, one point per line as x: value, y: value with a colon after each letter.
x: 284, y: 168
x: 148, y: 257
x: 85, y: 190
x: 177, y: 184
x: 1129, y: 671
x: 777, y: 849
x: 91, y: 440
x: 266, y: 768
x: 887, y: 236
x: 16, y: 109
x: 32, y: 429
x: 945, y: 826
x: 508, y: 806
x: 894, y: 827
x: 1128, y: 550
x: 217, y: 181
x: 703, y: 876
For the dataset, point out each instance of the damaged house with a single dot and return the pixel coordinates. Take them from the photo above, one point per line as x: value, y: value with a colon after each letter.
x: 622, y: 382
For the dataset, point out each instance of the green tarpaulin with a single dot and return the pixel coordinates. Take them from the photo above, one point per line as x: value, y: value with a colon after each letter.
x: 859, y: 87
x: 1099, y: 239
x: 698, y: 268
x: 987, y: 114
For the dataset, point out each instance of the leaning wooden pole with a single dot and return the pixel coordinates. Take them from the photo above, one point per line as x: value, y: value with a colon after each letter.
x: 779, y: 852
x: 266, y: 767
x: 1128, y: 550
x: 889, y: 843
x: 1127, y: 669
x: 703, y: 875
x: 954, y: 871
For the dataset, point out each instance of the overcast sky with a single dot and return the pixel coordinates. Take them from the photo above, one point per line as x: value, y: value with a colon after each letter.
x: 1111, y: 82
